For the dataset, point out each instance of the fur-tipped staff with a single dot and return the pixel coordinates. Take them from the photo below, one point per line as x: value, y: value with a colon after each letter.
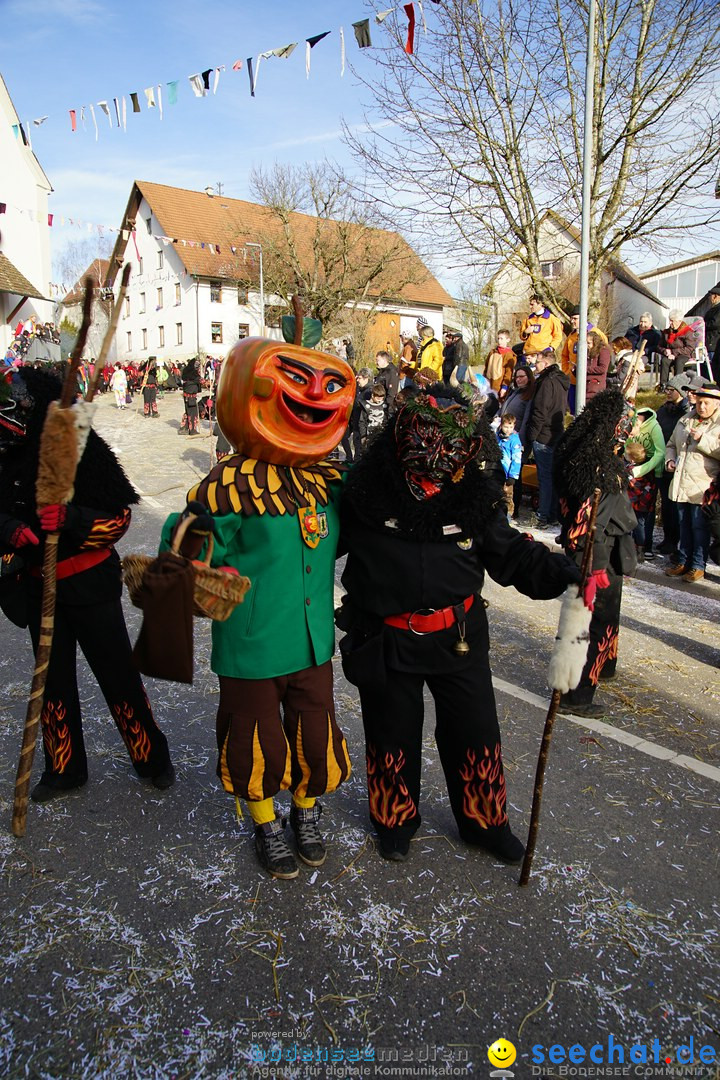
x: 566, y: 665
x: 63, y: 441
x: 109, y: 335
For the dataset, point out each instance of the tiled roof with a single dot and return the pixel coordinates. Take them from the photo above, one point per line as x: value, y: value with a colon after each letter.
x: 12, y: 281
x: 97, y: 270
x: 194, y: 216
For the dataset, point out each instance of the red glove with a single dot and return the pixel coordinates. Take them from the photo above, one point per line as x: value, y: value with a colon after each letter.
x: 23, y: 536
x: 597, y: 580
x: 52, y: 518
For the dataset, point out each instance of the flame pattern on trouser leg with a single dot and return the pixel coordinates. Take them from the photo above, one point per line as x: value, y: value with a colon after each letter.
x: 390, y: 801
x: 603, y: 646
x: 56, y: 735
x: 134, y: 735
x: 484, y: 787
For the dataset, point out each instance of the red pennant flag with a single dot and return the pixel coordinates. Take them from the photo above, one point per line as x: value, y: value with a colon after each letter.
x: 410, y: 12
x: 50, y: 219
x: 73, y: 119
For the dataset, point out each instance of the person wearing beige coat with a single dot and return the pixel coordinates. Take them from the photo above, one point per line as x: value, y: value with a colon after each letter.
x: 692, y: 455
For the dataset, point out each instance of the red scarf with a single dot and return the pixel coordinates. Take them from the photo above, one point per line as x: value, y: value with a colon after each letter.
x: 682, y: 329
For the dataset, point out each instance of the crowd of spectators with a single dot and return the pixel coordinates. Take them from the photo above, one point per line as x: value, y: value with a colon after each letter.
x: 528, y: 392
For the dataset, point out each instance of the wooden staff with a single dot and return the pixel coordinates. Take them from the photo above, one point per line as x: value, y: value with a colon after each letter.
x: 107, y: 340
x: 299, y: 319
x: 58, y: 475
x: 554, y: 705
x: 633, y: 368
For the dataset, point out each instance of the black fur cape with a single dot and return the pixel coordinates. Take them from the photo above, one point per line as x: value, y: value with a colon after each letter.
x: 376, y: 489
x: 585, y: 455
x: 100, y: 482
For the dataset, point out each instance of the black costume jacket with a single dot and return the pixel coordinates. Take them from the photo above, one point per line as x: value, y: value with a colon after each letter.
x: 614, y: 549
x: 410, y: 556
x: 97, y: 516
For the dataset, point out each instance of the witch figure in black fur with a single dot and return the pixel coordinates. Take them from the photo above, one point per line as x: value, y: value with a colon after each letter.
x: 589, y: 456
x: 423, y: 518
x: 88, y: 610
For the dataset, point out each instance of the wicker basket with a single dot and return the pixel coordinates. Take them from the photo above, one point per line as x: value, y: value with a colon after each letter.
x: 216, y: 593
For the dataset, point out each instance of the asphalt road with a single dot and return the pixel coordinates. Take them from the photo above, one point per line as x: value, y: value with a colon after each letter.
x: 141, y: 939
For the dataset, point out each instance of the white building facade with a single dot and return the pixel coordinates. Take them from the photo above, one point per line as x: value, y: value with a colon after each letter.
x: 682, y: 285
x: 196, y: 280
x: 24, y: 228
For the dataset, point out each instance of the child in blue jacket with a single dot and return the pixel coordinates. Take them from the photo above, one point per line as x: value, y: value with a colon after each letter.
x: 512, y: 451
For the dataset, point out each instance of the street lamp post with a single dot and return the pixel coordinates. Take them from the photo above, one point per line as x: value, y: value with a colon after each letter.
x: 262, y: 288
x: 587, y: 170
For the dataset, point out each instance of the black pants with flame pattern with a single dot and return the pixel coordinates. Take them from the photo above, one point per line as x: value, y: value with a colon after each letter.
x: 468, y: 741
x: 602, y: 652
x: 101, y: 633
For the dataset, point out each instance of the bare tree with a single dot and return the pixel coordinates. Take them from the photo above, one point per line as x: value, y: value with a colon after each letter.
x: 321, y: 242
x: 73, y: 260
x: 487, y: 120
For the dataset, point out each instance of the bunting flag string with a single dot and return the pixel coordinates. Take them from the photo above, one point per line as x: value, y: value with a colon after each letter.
x: 310, y: 44
x: 54, y: 219
x: 204, y: 82
x: 410, y: 12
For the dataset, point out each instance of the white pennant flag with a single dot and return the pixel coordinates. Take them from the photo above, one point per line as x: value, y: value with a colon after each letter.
x: 159, y: 100
x: 382, y: 15
x: 150, y: 96
x: 92, y: 113
x: 106, y: 109
x: 422, y: 15
x: 342, y: 52
x: 198, y: 86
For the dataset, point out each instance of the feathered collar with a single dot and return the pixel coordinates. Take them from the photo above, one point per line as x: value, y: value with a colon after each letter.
x: 243, y: 485
x: 376, y: 492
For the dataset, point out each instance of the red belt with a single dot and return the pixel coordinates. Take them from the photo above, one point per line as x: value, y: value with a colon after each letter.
x: 428, y: 620
x: 75, y: 564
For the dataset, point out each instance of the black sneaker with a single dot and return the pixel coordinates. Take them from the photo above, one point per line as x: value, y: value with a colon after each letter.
x: 310, y: 844
x: 394, y: 848
x: 649, y: 553
x: 272, y: 850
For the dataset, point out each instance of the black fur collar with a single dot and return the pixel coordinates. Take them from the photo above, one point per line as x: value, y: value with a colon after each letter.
x: 377, y: 492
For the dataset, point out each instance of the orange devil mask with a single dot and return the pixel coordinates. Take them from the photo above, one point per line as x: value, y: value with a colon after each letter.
x: 284, y: 403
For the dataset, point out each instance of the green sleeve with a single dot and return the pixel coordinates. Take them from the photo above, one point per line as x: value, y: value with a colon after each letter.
x: 227, y: 527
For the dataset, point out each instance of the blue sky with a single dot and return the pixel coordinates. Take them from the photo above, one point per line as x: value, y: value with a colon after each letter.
x: 57, y: 55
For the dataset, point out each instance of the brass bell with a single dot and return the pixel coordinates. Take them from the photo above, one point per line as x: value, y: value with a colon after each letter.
x: 461, y: 647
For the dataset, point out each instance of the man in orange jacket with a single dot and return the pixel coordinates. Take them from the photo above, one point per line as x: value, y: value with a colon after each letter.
x: 541, y: 332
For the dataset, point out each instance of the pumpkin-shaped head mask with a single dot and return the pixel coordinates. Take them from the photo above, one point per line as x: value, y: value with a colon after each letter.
x: 284, y: 403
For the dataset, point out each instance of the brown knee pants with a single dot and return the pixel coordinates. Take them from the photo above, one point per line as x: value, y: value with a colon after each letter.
x: 263, y: 750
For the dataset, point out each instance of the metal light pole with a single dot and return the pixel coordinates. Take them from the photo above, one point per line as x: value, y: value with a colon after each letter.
x: 581, y: 365
x: 262, y: 288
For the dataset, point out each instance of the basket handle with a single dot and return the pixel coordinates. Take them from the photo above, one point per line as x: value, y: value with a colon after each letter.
x: 181, y: 528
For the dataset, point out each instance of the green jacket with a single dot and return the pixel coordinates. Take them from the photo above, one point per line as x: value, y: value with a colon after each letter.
x: 651, y: 437
x: 285, y: 622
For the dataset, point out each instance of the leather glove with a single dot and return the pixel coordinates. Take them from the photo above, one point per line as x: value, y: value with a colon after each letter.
x: 598, y: 579
x: 205, y: 522
x: 53, y: 518
x: 23, y: 537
